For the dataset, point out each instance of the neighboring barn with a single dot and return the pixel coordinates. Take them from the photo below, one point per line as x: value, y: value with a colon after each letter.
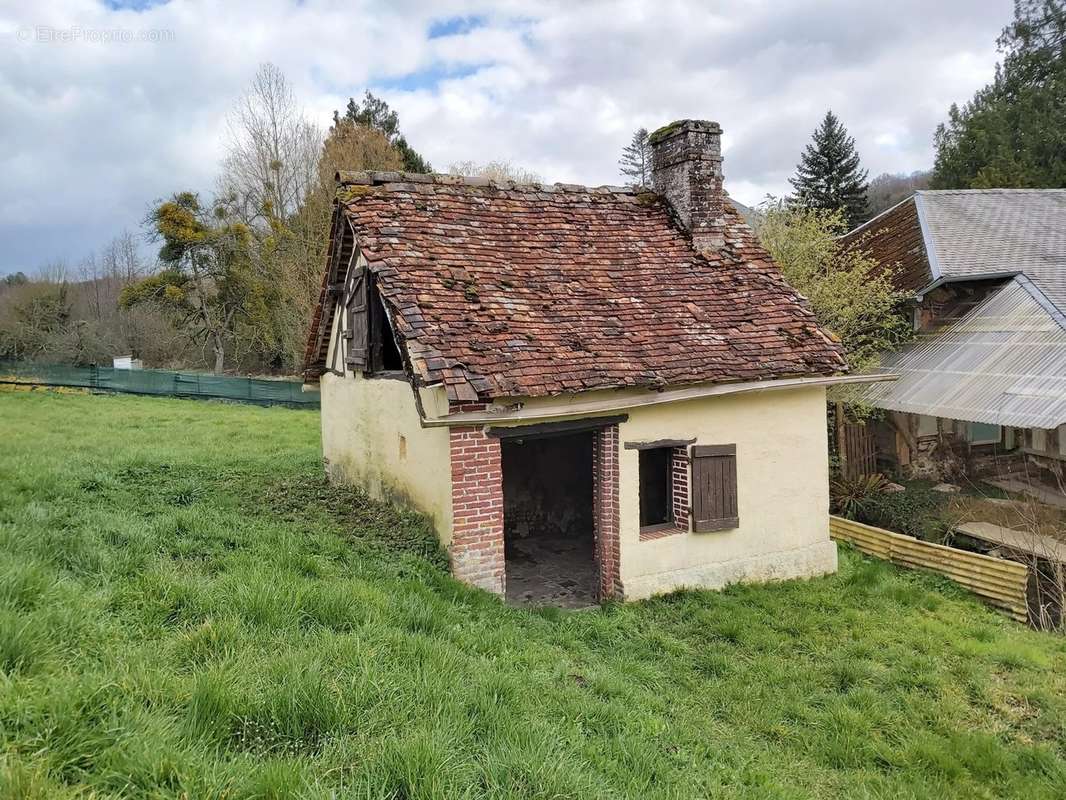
x: 593, y: 392
x: 984, y: 386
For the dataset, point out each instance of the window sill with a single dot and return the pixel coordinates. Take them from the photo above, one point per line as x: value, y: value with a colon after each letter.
x: 386, y: 374
x: 651, y: 532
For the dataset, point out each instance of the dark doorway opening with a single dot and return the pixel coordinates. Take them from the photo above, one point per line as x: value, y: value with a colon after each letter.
x: 549, y: 540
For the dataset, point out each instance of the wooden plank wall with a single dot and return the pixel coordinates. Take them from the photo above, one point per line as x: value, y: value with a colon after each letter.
x: 999, y: 582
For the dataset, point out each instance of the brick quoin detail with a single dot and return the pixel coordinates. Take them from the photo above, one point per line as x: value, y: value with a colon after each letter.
x: 679, y: 500
x: 477, y: 509
x: 605, y: 511
x: 679, y: 463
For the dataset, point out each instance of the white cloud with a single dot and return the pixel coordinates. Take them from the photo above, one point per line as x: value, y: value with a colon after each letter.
x: 91, y: 132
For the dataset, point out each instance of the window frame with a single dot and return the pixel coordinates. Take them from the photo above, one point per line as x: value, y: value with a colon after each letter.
x: 366, y: 321
x: 670, y: 521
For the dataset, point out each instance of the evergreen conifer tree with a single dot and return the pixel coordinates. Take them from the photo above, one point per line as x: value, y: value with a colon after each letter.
x: 829, y: 175
x: 375, y: 113
x: 1013, y: 132
x: 635, y: 162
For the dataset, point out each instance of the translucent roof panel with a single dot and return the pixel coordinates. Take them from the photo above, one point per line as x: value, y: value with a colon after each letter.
x: 1004, y: 363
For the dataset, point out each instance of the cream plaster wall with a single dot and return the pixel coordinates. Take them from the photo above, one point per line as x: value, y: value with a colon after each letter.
x: 782, y: 487
x: 372, y: 437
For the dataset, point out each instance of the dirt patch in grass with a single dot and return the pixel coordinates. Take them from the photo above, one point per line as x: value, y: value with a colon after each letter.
x: 1022, y: 514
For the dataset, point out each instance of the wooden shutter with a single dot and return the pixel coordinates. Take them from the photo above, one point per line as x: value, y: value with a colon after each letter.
x: 714, y: 488
x: 373, y: 322
x: 355, y: 313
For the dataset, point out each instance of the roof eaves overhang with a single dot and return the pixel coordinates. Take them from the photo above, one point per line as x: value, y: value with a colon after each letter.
x: 977, y: 276
x: 593, y: 408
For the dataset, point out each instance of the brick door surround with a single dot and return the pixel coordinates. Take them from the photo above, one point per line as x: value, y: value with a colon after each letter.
x: 477, y: 546
x: 605, y: 511
x: 476, y: 550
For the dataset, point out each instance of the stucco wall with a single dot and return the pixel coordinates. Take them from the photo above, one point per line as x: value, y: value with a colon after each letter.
x: 371, y: 437
x: 782, y: 486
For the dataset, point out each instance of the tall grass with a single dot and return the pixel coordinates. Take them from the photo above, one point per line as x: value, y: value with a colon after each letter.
x: 187, y: 610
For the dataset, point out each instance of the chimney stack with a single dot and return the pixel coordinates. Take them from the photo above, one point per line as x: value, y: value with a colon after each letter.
x: 687, y: 171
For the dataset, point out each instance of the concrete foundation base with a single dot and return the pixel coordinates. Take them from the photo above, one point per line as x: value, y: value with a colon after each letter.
x: 804, y: 562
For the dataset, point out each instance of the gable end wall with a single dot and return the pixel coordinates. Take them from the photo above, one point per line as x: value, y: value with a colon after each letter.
x: 895, y: 238
x: 372, y: 437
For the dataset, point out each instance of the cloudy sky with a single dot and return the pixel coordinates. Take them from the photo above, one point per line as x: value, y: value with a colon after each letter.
x: 106, y: 106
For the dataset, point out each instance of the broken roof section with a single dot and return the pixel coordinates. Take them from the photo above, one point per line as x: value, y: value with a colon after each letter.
x: 504, y: 290
x: 1003, y: 363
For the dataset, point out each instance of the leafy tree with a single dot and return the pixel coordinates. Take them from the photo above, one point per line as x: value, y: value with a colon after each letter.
x: 828, y: 176
x: 850, y: 293
x: 300, y: 244
x: 635, y: 162
x: 206, y: 281
x: 373, y: 112
x: 14, y: 279
x: 1013, y: 132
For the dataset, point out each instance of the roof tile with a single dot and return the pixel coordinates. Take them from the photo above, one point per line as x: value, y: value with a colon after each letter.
x: 503, y: 290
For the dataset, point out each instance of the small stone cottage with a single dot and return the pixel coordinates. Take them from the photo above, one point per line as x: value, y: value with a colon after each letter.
x: 593, y: 392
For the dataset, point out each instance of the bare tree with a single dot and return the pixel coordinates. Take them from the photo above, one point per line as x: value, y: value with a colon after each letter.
x: 120, y: 259
x: 496, y: 171
x: 888, y: 189
x: 273, y: 151
x: 57, y: 271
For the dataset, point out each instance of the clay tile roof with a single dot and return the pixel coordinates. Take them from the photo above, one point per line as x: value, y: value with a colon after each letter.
x: 502, y: 290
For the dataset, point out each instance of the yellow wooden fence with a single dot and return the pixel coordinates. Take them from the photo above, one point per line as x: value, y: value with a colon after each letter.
x: 997, y: 581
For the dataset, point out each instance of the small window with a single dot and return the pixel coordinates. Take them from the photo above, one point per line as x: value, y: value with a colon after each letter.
x: 370, y: 342
x: 927, y: 426
x: 1039, y: 440
x: 656, y: 486
x: 384, y: 355
x: 980, y: 433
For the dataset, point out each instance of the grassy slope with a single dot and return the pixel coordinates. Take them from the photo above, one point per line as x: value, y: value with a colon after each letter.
x: 186, y: 610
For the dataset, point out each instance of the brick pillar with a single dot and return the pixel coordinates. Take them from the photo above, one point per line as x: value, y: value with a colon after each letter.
x: 605, y: 510
x: 679, y: 464
x: 477, y: 509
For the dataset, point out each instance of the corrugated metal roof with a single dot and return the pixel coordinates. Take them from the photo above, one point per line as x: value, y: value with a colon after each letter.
x: 970, y: 232
x: 1004, y: 363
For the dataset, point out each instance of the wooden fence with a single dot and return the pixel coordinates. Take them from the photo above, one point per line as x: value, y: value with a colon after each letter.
x: 859, y: 456
x: 997, y: 581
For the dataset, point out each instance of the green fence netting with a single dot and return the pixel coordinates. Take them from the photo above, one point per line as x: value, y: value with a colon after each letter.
x: 161, y: 382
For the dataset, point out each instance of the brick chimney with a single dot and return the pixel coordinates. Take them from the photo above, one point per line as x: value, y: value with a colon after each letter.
x: 687, y: 171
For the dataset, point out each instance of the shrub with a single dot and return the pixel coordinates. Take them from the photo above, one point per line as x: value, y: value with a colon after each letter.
x: 849, y: 496
x: 915, y: 512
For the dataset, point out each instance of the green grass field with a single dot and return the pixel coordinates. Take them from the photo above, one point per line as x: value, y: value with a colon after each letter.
x: 187, y: 610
